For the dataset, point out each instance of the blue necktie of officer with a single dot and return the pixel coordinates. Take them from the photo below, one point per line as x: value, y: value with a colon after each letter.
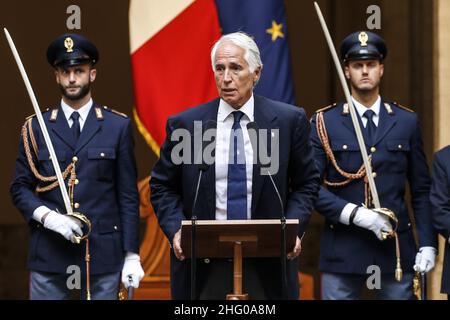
x: 75, y: 116
x: 237, y: 176
x: 370, y: 127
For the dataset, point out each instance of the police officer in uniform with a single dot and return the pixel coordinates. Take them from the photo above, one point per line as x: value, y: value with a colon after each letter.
x: 440, y: 201
x: 353, y: 234
x: 94, y: 147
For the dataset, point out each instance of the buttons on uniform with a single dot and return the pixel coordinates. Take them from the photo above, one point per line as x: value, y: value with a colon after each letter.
x: 400, y: 146
x: 115, y: 227
x: 75, y: 159
x: 102, y: 154
x: 409, y: 224
x: 76, y: 205
x: 331, y: 226
x: 374, y: 174
x: 206, y: 260
x: 373, y: 149
x: 77, y: 181
x: 345, y: 147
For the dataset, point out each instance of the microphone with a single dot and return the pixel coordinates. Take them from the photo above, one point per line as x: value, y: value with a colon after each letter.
x: 253, y: 132
x: 254, y: 140
x: 202, y: 167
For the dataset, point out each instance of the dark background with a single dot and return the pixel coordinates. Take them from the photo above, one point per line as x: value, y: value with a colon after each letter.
x: 407, y: 26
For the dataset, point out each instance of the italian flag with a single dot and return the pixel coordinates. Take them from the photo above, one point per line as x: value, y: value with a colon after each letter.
x: 170, y: 43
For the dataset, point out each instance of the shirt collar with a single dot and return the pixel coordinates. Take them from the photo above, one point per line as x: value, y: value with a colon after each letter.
x: 83, y: 111
x: 361, y: 109
x: 225, y: 109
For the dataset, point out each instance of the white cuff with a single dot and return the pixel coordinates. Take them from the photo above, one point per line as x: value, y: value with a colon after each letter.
x: 39, y: 212
x: 345, y: 214
x: 132, y: 256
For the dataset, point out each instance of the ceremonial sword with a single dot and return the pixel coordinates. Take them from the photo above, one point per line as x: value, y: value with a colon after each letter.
x: 37, y: 110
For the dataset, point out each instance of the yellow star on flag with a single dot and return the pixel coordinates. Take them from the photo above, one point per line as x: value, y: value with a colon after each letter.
x: 275, y: 31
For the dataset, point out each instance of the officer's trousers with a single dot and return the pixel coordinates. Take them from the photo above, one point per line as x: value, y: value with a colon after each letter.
x: 340, y: 286
x: 55, y: 286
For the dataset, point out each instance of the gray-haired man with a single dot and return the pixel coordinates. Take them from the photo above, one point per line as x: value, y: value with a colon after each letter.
x: 236, y: 189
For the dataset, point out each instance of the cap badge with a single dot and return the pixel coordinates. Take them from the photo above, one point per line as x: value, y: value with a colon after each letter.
x: 68, y: 43
x: 363, y: 38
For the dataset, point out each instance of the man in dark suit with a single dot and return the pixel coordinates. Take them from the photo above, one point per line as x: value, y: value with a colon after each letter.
x: 94, y: 147
x: 234, y: 186
x: 440, y: 202
x: 351, y: 246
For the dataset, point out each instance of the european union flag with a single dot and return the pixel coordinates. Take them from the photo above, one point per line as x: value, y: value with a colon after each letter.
x: 265, y: 20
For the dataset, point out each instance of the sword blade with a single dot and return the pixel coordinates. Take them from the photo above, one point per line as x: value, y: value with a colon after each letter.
x: 41, y: 122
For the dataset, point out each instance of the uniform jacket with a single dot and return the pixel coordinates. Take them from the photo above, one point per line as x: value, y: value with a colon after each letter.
x: 173, y: 189
x: 106, y: 191
x: 397, y: 158
x: 440, y: 201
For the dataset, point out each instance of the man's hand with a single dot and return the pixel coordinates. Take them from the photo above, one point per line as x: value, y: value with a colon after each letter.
x: 132, y: 271
x: 176, y: 244
x: 68, y: 227
x: 372, y: 221
x: 297, y: 249
x: 425, y: 259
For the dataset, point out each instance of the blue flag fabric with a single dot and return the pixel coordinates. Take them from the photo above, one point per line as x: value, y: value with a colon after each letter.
x: 265, y: 20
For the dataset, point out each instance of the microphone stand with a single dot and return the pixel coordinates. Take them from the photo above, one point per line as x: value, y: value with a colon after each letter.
x: 283, y: 241
x: 202, y: 167
x: 255, y: 143
x: 194, y: 238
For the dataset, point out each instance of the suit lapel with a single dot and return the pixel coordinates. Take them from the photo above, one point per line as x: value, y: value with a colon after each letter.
x: 265, y: 119
x: 90, y: 128
x: 61, y: 128
x: 209, y: 176
x: 385, y: 123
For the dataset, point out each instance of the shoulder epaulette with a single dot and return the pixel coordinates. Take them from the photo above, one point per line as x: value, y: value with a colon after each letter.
x: 327, y: 108
x: 115, y: 111
x: 404, y: 108
x: 34, y: 114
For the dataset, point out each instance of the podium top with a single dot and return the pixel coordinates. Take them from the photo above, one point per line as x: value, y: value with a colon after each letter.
x: 259, y: 238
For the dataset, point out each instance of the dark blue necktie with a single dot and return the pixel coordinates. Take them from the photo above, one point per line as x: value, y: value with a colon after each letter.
x: 75, y: 116
x: 237, y: 177
x: 370, y: 127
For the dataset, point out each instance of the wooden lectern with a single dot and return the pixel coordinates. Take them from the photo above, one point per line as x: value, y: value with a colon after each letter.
x: 236, y: 239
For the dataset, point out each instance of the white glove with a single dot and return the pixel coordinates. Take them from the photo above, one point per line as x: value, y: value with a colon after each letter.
x: 425, y: 259
x: 132, y: 269
x: 67, y: 226
x: 372, y: 221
